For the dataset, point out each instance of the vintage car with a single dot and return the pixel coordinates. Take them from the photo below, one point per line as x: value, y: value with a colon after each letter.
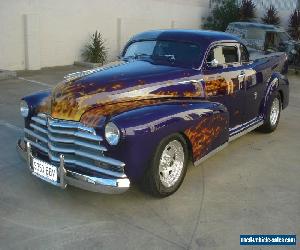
x: 266, y: 37
x: 174, y: 96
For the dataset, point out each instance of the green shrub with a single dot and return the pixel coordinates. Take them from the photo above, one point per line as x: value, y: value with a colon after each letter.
x: 247, y: 10
x: 95, y: 51
x: 294, y: 25
x: 222, y: 14
x: 271, y: 16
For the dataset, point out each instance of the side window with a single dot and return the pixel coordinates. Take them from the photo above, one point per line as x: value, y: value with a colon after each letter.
x: 244, y: 54
x: 224, y: 54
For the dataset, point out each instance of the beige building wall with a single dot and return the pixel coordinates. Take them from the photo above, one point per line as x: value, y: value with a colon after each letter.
x: 45, y: 33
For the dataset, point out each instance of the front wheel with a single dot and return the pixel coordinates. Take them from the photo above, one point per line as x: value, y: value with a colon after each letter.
x: 168, y: 166
x: 273, y: 114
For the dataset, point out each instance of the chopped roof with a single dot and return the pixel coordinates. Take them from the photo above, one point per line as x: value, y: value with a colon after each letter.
x: 197, y: 36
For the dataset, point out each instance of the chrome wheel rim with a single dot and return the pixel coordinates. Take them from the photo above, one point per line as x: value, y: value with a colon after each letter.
x: 275, y: 109
x: 171, y: 163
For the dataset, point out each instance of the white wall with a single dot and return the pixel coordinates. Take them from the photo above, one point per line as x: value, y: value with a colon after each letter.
x: 45, y: 33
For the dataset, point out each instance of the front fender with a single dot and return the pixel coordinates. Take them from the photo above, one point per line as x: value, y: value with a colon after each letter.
x: 39, y: 102
x: 204, y: 124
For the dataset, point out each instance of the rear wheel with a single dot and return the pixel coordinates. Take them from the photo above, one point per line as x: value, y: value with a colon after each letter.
x: 168, y: 166
x: 273, y: 114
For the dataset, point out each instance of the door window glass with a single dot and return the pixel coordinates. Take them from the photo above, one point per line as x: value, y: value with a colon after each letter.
x: 224, y: 54
x: 244, y: 54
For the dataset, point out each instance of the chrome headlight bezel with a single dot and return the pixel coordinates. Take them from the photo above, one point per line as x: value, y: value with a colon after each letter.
x: 112, y: 133
x: 24, y: 109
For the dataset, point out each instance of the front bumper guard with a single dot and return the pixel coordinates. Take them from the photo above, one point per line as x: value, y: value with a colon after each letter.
x: 67, y: 177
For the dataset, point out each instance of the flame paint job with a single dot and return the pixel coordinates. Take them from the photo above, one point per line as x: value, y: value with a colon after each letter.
x: 149, y: 102
x: 70, y: 100
x: 203, y: 134
x: 93, y: 117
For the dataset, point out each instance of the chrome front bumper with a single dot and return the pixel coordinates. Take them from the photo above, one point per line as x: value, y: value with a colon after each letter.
x: 87, y: 182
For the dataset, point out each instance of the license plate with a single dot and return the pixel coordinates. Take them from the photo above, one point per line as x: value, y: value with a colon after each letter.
x: 44, y: 169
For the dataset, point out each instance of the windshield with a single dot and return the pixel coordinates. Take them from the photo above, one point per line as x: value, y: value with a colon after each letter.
x: 165, y: 52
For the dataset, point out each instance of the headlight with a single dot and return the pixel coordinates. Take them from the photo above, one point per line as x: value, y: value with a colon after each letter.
x: 112, y: 133
x: 24, y: 109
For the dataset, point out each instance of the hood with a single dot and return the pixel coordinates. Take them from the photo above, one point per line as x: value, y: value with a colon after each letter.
x: 122, y: 82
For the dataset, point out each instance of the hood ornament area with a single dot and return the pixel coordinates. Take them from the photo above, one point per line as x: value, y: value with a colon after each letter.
x: 79, y: 74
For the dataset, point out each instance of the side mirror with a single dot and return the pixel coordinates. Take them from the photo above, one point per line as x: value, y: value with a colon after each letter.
x: 214, y: 63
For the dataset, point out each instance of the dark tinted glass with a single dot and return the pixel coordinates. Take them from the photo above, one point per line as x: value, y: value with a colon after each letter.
x: 244, y: 54
x: 166, y: 52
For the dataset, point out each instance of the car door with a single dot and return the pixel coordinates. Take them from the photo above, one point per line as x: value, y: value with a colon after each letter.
x: 254, y: 87
x: 224, y: 75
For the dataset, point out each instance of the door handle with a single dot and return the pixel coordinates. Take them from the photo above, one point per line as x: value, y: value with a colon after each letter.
x: 241, y: 78
x: 255, y: 95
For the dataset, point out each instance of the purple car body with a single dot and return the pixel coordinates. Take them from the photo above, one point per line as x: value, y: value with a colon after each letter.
x: 206, y: 101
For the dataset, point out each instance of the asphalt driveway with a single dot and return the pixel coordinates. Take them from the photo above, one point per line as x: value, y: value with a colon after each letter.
x: 251, y: 187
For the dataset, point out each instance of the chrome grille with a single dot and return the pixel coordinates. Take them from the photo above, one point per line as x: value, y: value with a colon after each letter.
x: 79, y: 144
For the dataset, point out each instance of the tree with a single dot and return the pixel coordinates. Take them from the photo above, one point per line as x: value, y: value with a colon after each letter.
x: 222, y: 14
x: 294, y: 25
x: 271, y: 16
x: 95, y: 51
x: 247, y: 10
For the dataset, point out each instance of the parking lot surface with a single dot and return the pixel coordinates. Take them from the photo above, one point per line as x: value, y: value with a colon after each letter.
x: 251, y: 187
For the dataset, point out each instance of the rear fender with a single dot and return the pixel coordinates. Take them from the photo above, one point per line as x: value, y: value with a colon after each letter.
x: 276, y: 83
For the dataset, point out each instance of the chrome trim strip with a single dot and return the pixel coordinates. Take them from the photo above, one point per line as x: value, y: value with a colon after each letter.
x: 96, y: 184
x: 77, y: 142
x: 60, y: 139
x: 41, y: 138
x: 88, y: 136
x: 60, y: 149
x: 242, y: 126
x: 102, y: 159
x: 91, y: 137
x: 42, y: 115
x: 38, y: 128
x: 69, y: 125
x: 36, y: 145
x: 91, y: 146
x: 245, y: 131
x: 39, y: 120
x: 210, y: 154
